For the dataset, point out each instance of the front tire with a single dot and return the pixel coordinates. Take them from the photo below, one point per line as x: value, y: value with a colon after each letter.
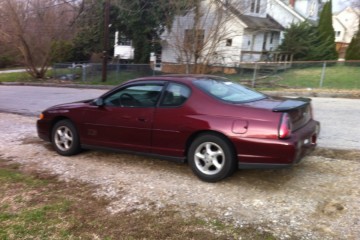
x: 65, y: 138
x: 211, y: 157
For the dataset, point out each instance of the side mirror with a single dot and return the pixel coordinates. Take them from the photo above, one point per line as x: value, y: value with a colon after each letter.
x: 99, y: 102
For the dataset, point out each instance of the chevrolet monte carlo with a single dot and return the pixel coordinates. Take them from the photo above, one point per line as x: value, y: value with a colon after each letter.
x: 214, y: 124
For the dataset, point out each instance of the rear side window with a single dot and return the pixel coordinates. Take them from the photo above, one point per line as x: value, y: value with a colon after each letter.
x: 175, y: 95
x: 228, y: 91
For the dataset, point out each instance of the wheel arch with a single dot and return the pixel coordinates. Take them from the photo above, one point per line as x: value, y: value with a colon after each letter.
x: 56, y: 120
x: 209, y: 132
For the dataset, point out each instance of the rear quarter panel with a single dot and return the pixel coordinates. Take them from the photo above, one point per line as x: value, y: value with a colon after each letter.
x: 203, y: 113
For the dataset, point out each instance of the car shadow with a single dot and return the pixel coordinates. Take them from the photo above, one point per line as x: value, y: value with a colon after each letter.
x: 272, y: 179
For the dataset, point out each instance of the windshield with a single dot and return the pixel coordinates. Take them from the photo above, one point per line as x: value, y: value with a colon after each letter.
x: 228, y: 91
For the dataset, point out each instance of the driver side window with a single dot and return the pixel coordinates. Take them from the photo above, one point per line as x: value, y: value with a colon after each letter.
x: 145, y: 95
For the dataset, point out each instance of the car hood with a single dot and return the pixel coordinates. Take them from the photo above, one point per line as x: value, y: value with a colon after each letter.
x: 71, y: 105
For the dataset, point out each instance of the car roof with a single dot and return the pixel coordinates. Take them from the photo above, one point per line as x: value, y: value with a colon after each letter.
x: 178, y: 77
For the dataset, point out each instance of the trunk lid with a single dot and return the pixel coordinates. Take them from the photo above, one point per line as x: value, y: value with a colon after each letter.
x: 299, y: 109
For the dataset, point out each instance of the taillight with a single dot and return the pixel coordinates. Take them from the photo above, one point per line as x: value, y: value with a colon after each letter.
x: 285, y: 126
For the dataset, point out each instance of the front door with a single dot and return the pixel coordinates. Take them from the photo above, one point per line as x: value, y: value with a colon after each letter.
x: 125, y: 119
x: 265, y: 41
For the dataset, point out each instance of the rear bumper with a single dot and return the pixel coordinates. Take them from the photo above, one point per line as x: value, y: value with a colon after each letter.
x: 307, y: 143
x: 278, y: 153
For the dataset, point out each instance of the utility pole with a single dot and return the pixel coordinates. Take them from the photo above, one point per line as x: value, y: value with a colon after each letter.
x: 106, y: 39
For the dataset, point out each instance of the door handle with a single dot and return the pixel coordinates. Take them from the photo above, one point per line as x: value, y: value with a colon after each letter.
x: 141, y: 119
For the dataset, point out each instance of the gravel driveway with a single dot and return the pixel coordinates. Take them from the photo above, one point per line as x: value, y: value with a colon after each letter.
x: 318, y: 199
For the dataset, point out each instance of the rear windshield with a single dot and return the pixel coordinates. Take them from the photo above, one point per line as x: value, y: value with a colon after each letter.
x: 228, y: 91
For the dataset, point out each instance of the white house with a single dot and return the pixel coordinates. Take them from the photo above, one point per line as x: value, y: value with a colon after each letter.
x: 345, y: 24
x: 286, y: 12
x: 250, y: 32
x: 307, y: 9
x: 229, y: 32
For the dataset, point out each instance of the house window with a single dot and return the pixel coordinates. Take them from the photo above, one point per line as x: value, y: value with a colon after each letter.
x: 272, y: 37
x: 258, y: 6
x: 194, y: 38
x: 252, y: 6
x: 124, y: 41
x: 228, y: 42
x: 255, y: 6
x: 337, y: 33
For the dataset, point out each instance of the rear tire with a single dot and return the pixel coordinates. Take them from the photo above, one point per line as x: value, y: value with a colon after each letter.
x: 65, y: 138
x: 211, y: 157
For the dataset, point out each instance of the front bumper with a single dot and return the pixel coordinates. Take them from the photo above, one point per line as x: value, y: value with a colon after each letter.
x: 43, y: 130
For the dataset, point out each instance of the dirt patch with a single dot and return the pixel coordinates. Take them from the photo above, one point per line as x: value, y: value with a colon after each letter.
x: 32, y: 140
x: 353, y: 155
x: 331, y: 208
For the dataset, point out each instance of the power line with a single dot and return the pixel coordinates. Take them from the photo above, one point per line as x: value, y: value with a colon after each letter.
x: 106, y: 39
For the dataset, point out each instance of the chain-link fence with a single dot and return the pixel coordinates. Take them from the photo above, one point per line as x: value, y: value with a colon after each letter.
x: 328, y: 75
x: 92, y: 72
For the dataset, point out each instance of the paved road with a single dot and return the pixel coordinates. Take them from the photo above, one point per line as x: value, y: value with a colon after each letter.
x: 29, y: 100
x: 340, y: 118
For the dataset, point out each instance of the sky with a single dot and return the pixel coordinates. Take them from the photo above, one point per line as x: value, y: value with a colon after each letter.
x: 339, y: 5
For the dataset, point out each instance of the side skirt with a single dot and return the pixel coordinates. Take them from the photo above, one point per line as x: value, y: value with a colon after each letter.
x: 168, y: 158
x: 263, y: 166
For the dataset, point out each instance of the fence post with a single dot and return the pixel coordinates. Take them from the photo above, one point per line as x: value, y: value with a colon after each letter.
x: 254, y: 76
x: 54, y: 71
x: 117, y: 71
x: 322, y: 75
x: 83, y: 72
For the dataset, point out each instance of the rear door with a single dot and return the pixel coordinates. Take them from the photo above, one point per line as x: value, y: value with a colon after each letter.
x: 125, y: 120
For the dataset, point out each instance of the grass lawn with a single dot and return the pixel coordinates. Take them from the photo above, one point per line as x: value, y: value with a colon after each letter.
x: 338, y: 76
x: 15, y: 77
x: 21, y: 77
x: 308, y: 75
x: 37, y: 206
x: 114, y: 78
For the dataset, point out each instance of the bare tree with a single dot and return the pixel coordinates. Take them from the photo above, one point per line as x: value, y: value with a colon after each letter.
x: 355, y: 4
x: 33, y: 26
x: 199, y: 37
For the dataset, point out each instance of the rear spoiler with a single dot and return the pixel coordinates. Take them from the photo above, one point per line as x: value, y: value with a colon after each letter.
x: 291, y: 104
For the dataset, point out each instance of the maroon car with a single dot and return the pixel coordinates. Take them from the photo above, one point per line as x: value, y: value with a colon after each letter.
x: 212, y: 123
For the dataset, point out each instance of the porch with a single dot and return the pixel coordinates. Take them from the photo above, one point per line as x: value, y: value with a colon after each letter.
x: 267, y: 60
